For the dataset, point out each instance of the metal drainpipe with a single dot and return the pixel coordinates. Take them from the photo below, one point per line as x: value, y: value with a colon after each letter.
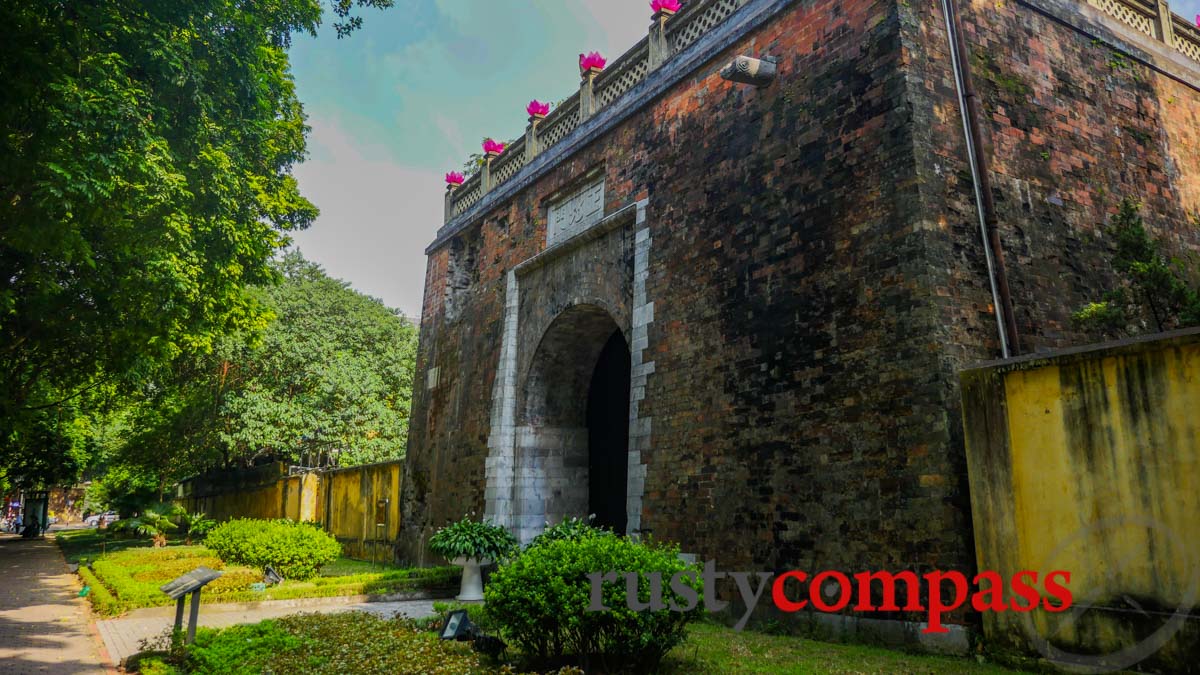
x: 988, y: 223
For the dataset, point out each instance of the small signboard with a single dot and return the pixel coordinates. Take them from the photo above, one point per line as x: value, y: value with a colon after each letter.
x: 381, y: 509
x: 192, y: 581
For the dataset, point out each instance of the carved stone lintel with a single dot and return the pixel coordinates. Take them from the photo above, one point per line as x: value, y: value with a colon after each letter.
x: 748, y: 70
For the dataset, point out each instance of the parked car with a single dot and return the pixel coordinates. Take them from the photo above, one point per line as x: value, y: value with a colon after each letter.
x: 100, y: 519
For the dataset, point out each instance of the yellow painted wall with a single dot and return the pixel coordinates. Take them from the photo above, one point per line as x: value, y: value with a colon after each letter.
x: 345, y: 501
x: 362, y: 508
x: 256, y: 502
x: 1090, y: 462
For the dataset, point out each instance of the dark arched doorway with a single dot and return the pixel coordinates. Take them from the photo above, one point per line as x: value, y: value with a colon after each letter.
x: 572, y: 435
x: 608, y: 434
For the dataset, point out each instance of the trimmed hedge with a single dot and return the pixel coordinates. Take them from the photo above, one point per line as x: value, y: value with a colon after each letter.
x: 295, y: 550
x: 102, y: 600
x: 133, y: 576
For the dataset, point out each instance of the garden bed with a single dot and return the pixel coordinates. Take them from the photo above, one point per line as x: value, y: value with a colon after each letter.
x: 129, y: 578
x: 355, y: 642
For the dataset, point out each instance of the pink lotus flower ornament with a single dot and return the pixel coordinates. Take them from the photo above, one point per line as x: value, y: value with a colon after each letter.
x: 491, y: 147
x: 1198, y: 21
x: 537, y: 109
x: 657, y: 6
x: 591, y: 60
x: 454, y: 178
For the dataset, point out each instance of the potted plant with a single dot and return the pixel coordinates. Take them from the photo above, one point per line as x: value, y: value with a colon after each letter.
x: 470, y: 544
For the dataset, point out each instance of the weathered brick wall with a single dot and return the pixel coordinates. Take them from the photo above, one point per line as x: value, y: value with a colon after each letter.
x: 798, y: 418
x: 1072, y: 124
x: 817, y: 277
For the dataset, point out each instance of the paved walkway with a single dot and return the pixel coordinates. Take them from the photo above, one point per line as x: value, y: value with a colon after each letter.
x: 43, y: 621
x: 123, y: 637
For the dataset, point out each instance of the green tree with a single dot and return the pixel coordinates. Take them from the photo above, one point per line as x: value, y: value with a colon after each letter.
x: 1155, y: 292
x: 328, y: 380
x: 146, y: 151
x: 332, y: 377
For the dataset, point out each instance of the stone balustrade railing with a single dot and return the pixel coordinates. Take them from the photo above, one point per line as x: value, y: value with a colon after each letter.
x: 670, y: 34
x: 1155, y: 18
x: 1187, y: 38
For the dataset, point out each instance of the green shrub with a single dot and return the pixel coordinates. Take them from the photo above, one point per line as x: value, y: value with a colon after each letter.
x: 570, y: 529
x: 295, y: 550
x: 151, y: 663
x: 101, y: 598
x: 152, y: 523
x: 240, y: 649
x: 540, y: 600
x: 346, y: 642
x: 195, y: 526
x: 472, y: 539
x: 477, y: 613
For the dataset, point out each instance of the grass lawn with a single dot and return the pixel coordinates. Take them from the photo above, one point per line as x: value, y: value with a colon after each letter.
x: 93, y: 543
x: 713, y: 648
x: 360, y: 643
x: 126, y: 574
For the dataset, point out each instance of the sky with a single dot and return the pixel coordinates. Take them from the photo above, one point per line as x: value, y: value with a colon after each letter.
x: 410, y: 96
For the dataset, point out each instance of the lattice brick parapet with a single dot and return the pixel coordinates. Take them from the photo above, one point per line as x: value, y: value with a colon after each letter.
x: 679, y: 31
x: 671, y: 34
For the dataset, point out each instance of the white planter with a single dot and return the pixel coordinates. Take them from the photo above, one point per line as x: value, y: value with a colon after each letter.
x: 472, y: 581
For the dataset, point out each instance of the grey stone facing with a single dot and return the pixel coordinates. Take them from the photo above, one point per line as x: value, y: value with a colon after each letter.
x: 639, y: 427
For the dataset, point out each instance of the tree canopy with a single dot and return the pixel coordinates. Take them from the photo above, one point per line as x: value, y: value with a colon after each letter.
x: 329, y: 381
x: 146, y: 151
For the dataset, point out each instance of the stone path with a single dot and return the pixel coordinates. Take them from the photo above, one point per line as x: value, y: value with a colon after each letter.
x: 44, y: 624
x: 123, y: 637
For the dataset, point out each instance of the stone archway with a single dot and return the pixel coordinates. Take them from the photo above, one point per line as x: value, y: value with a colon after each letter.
x: 572, y: 435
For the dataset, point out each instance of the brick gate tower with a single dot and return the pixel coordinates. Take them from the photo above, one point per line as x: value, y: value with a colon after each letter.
x: 725, y: 300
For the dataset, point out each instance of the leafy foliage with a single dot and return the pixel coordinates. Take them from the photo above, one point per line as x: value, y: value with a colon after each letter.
x: 332, y: 376
x: 151, y: 523
x: 1156, y: 292
x: 541, y: 598
x: 570, y: 529
x: 328, y: 381
x: 145, y: 183
x: 349, y: 642
x: 195, y: 526
x: 472, y: 539
x: 295, y: 550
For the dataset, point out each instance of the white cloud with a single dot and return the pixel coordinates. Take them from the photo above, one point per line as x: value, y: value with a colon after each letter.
x: 378, y: 150
x: 618, y: 24
x: 377, y: 215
